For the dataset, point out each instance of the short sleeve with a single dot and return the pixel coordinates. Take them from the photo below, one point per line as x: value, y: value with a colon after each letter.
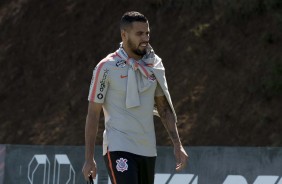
x: 99, y: 83
x: 159, y: 91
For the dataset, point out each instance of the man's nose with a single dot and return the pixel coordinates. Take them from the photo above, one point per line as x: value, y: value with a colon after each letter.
x: 146, y: 38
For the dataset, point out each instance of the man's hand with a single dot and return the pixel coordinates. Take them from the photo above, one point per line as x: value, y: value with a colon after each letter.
x: 89, y: 168
x: 181, y: 157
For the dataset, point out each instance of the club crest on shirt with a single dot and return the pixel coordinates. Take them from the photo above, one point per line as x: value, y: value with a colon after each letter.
x: 152, y: 78
x: 121, y: 63
x: 121, y: 164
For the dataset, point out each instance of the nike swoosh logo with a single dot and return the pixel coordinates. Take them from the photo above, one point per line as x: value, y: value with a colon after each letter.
x: 123, y: 76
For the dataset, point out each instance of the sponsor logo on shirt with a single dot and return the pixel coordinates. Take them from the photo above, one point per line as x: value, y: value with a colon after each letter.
x: 123, y: 76
x: 102, y: 82
x: 121, y: 164
x: 121, y: 63
x: 100, y: 96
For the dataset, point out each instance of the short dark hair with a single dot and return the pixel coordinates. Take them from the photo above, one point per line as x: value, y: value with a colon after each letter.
x: 129, y: 17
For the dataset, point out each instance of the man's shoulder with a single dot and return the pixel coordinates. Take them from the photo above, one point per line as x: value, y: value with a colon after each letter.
x: 112, y: 61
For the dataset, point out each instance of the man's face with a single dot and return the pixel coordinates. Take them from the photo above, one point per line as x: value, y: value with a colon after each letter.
x: 137, y: 37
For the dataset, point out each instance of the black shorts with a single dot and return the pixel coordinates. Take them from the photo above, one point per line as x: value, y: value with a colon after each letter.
x: 129, y: 168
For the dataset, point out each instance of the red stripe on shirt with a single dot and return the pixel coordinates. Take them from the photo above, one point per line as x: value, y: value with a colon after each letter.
x: 93, y: 92
x: 144, y: 69
x: 136, y: 65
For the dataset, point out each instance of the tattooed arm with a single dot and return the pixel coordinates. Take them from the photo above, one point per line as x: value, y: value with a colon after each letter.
x: 169, y: 122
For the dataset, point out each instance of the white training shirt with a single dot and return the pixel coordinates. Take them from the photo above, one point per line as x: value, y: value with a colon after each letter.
x: 126, y: 129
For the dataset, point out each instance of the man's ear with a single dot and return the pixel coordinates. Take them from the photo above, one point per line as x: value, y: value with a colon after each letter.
x: 123, y: 34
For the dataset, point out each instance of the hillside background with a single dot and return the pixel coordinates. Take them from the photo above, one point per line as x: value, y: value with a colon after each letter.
x: 223, y: 62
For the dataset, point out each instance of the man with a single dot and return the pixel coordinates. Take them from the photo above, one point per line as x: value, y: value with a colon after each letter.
x: 127, y: 84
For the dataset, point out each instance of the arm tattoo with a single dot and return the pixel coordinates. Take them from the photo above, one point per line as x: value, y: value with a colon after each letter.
x: 167, y: 118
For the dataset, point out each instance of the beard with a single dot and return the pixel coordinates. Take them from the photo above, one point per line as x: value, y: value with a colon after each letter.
x: 136, y: 50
